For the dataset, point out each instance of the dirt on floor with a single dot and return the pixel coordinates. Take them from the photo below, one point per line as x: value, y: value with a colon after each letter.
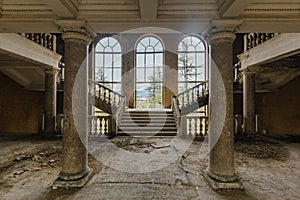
x: 267, y: 166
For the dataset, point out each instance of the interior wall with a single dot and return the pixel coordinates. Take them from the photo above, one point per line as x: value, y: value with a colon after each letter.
x: 280, y: 110
x: 19, y: 108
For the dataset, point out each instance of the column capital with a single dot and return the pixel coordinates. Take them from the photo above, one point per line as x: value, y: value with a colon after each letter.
x: 221, y: 35
x: 75, y: 36
x: 223, y: 29
x: 250, y: 70
x: 50, y: 69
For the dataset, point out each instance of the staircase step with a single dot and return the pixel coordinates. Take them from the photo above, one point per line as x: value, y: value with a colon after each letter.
x: 171, y: 124
x: 139, y: 128
x: 148, y: 123
x: 138, y: 133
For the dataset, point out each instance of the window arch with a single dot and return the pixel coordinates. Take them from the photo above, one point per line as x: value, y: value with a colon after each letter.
x: 108, y: 63
x: 149, y: 72
x: 191, y: 62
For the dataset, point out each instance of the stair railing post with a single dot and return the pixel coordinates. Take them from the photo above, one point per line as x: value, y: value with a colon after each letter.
x: 183, y: 126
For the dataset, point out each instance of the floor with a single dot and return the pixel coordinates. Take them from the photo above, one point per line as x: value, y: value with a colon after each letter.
x: 149, y: 168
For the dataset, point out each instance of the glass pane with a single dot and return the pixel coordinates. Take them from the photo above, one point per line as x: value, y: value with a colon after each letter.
x: 104, y: 42
x: 200, y: 47
x: 108, y: 60
x: 191, y: 48
x: 108, y: 49
x: 117, y: 48
x: 150, y: 49
x: 200, y: 74
x: 117, y: 88
x: 200, y: 59
x: 140, y: 60
x: 117, y: 60
x: 158, y: 74
x: 108, y: 74
x: 140, y: 48
x: 99, y: 76
x: 149, y: 60
x: 145, y: 41
x: 117, y: 75
x: 99, y: 60
x: 159, y: 59
x: 99, y: 48
x: 140, y: 74
x: 150, y: 75
x: 149, y: 95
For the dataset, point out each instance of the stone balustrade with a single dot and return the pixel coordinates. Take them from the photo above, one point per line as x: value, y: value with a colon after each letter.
x: 252, y: 40
x: 44, y: 39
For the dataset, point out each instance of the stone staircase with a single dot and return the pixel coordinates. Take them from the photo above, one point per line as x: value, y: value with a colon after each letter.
x: 147, y: 123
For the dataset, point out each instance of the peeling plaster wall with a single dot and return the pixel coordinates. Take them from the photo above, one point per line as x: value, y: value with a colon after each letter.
x: 19, y: 108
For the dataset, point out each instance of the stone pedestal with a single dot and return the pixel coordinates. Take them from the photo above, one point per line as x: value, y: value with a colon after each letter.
x: 248, y: 102
x: 50, y: 99
x: 220, y: 172
x: 75, y: 171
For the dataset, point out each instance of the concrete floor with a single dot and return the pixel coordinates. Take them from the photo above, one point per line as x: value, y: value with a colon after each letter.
x: 267, y: 167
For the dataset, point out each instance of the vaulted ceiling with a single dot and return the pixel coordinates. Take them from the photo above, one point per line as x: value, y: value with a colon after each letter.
x: 180, y: 15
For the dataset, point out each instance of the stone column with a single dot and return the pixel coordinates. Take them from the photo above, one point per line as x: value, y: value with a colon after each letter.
x: 75, y: 171
x: 248, y: 102
x: 50, y: 99
x: 220, y: 172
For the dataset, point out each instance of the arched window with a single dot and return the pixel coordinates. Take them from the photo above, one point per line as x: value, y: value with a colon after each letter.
x: 108, y: 61
x: 149, y: 72
x: 191, y: 62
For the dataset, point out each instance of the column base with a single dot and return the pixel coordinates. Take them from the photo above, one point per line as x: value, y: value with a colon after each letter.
x: 230, y: 184
x: 78, y: 183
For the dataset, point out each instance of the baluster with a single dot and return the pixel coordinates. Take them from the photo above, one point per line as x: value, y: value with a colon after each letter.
x: 100, y: 125
x: 104, y: 95
x: 42, y: 39
x: 206, y: 125
x: 94, y: 126
x: 182, y: 100
x: 109, y: 97
x: 31, y: 36
x: 190, y: 131
x: 198, y: 122
x: 114, y: 99
x: 201, y: 126
x: 250, y: 40
x: 187, y: 98
x: 37, y: 38
x: 50, y: 43
x: 46, y: 40
x: 197, y: 93
x: 90, y: 126
x: 193, y: 94
x: 105, y: 125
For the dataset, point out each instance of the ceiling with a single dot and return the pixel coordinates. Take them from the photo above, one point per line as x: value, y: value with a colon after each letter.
x: 100, y: 16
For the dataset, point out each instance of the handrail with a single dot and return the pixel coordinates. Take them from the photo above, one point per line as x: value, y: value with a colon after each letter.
x: 192, y: 95
x: 202, y: 82
x: 104, y: 93
x: 115, y: 101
